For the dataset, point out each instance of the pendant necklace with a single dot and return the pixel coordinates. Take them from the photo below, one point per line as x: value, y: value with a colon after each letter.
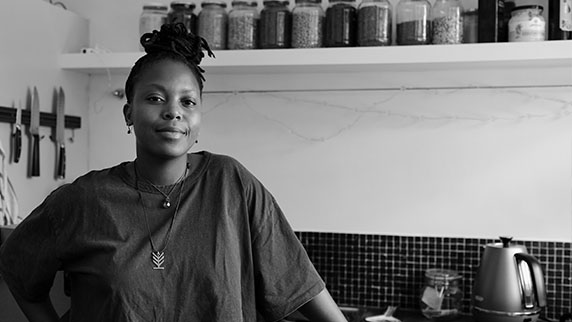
x: 158, y: 256
x: 167, y: 201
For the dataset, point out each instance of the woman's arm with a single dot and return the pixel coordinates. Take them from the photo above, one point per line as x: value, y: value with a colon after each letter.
x: 41, y: 311
x: 322, y: 308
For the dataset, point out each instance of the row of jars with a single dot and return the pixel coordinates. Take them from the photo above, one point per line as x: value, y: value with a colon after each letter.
x: 308, y: 25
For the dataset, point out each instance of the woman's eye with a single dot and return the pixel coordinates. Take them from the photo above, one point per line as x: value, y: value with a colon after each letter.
x: 154, y: 99
x: 188, y: 102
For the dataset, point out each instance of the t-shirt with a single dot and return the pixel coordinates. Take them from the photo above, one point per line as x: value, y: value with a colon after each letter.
x: 231, y: 254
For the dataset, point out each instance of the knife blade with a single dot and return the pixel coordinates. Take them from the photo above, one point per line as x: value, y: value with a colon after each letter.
x: 17, y: 135
x: 60, y: 140
x: 35, y: 132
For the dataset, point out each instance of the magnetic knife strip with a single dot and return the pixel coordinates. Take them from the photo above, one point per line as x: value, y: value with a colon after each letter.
x: 8, y: 115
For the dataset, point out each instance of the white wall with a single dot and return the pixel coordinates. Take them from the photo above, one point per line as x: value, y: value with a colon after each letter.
x: 468, y: 163
x: 32, y: 34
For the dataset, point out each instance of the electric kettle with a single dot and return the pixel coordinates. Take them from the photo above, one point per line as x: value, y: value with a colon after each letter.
x: 509, y: 285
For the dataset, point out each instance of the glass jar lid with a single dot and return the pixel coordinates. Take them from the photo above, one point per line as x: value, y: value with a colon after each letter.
x: 528, y: 7
x: 215, y: 2
x: 309, y: 1
x: 244, y: 3
x: 154, y: 6
x: 442, y: 275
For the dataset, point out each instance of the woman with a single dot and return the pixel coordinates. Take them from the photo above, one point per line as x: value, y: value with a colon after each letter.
x: 171, y: 236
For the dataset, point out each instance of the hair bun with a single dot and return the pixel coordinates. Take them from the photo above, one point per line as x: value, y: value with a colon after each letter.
x: 175, y: 38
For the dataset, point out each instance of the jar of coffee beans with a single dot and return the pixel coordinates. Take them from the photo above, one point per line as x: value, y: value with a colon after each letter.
x: 341, y: 24
x: 447, y: 22
x: 413, y: 22
x: 212, y: 23
x: 183, y: 12
x: 243, y: 21
x: 275, y: 24
x: 374, y: 23
x: 308, y: 24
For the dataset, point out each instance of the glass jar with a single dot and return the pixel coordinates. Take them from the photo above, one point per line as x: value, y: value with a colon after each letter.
x: 183, y: 12
x: 153, y: 16
x: 441, y: 296
x: 413, y: 22
x: 341, y: 24
x: 374, y: 23
x: 212, y: 22
x: 526, y: 24
x: 447, y: 26
x: 471, y: 25
x: 243, y: 21
x: 308, y: 24
x: 275, y: 24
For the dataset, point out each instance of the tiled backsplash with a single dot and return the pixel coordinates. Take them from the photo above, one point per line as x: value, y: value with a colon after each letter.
x: 380, y: 270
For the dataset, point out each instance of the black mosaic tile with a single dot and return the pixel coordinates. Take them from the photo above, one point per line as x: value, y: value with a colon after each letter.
x: 380, y: 270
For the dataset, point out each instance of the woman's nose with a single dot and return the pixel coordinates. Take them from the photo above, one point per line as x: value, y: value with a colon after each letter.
x: 172, y: 111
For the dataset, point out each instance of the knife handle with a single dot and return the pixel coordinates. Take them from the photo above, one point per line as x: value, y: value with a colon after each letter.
x: 17, y: 144
x: 62, y: 162
x: 35, y: 155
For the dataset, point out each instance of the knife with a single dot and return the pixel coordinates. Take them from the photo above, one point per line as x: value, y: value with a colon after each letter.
x: 35, y: 132
x: 60, y: 141
x: 17, y: 135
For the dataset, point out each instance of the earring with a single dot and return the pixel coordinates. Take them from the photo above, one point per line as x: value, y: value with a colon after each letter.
x: 196, y: 141
x: 128, y: 129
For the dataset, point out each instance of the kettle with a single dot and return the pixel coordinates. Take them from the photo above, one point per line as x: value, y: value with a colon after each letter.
x: 509, y: 285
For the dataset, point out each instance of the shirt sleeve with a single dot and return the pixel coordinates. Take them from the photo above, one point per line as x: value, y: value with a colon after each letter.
x: 28, y: 259
x: 285, y: 277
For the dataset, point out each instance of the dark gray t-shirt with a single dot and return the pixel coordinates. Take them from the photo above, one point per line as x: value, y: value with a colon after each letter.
x: 232, y: 256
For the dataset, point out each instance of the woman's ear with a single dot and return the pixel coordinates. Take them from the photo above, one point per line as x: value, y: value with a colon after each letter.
x: 127, y: 114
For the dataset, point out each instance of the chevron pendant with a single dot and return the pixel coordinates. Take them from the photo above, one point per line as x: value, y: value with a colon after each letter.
x: 158, y: 260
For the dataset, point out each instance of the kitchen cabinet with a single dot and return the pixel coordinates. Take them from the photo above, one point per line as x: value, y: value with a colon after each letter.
x: 482, y: 65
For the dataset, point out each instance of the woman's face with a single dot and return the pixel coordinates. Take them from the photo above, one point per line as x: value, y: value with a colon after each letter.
x: 165, y: 110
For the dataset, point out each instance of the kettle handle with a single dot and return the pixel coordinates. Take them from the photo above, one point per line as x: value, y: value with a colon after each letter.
x: 538, y: 276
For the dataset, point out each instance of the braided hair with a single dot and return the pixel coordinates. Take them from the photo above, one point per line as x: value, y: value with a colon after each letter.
x: 174, y: 42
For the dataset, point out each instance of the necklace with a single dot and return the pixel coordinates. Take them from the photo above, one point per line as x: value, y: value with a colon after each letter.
x: 167, y: 201
x: 158, y: 256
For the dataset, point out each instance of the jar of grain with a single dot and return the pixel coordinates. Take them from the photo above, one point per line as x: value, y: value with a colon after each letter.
x: 243, y: 21
x: 374, y: 23
x: 307, y: 24
x: 275, y: 24
x: 413, y: 22
x: 447, y: 18
x: 183, y: 12
x: 212, y: 23
x: 341, y: 24
x: 153, y: 16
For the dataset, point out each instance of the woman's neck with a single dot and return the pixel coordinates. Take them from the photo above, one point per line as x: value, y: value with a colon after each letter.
x: 161, y: 172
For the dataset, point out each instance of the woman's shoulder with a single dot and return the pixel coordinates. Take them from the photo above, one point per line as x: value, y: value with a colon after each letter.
x: 95, y: 179
x: 223, y: 162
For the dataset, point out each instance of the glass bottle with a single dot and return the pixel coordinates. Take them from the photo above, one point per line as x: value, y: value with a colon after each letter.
x: 212, y: 23
x: 441, y: 296
x: 559, y: 19
x: 447, y: 26
x: 341, y: 24
x: 374, y: 23
x: 413, y: 22
x: 243, y: 21
x: 183, y: 12
x: 275, y: 24
x: 308, y: 24
x: 153, y: 16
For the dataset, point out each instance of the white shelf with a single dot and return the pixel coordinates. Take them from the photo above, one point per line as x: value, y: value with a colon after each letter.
x: 536, y: 64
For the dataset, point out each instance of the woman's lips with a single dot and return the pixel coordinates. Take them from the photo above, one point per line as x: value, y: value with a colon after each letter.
x: 172, y: 132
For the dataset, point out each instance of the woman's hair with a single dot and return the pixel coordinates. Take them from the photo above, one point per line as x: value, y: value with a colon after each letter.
x: 174, y: 42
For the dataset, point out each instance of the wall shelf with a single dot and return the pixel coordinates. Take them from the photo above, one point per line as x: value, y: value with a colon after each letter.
x: 530, y: 64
